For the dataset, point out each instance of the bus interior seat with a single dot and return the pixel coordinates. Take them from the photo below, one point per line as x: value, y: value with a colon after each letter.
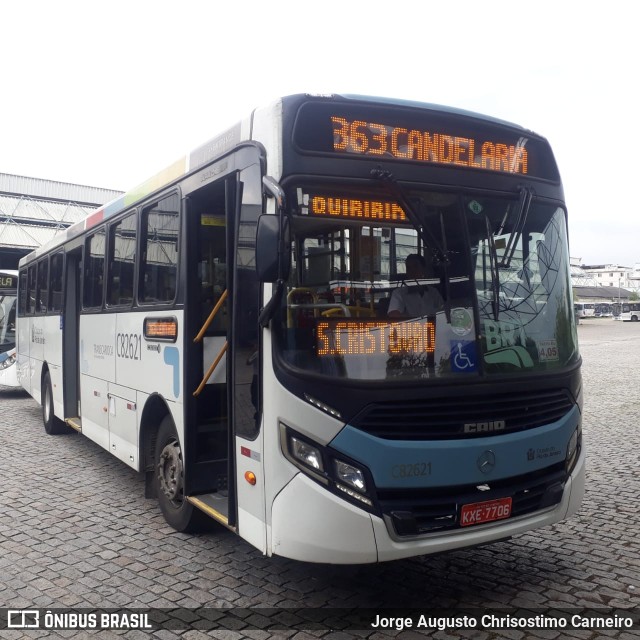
x: 382, y: 306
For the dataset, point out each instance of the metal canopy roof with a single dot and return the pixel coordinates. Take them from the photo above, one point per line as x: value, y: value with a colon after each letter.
x: 33, y: 210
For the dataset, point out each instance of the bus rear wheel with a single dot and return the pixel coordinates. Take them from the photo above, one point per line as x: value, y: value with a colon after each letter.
x: 169, y: 481
x: 52, y: 425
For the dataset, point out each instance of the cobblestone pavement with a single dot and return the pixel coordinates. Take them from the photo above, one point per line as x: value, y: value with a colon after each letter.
x: 76, y: 532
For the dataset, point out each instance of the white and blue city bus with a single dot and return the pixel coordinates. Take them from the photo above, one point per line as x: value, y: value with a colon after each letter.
x: 8, y: 293
x: 629, y: 311
x: 584, y: 309
x: 223, y: 328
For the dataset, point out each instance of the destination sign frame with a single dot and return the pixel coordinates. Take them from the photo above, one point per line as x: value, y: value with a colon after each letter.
x: 352, y: 207
x: 8, y: 281
x: 430, y: 136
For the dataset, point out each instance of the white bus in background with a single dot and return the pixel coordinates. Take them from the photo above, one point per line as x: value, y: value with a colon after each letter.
x: 584, y: 309
x: 604, y: 310
x: 8, y: 293
x: 629, y: 312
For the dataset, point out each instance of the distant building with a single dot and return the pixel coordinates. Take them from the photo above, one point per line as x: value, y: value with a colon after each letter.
x: 604, y: 283
x: 34, y: 210
x: 633, y: 278
x: 610, y: 275
x: 605, y: 295
x: 580, y: 277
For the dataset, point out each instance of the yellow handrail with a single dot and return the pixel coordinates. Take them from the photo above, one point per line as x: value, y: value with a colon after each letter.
x: 207, y: 375
x: 212, y: 315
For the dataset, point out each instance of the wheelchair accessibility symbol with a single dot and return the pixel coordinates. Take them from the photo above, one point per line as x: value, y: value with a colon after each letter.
x: 463, y: 356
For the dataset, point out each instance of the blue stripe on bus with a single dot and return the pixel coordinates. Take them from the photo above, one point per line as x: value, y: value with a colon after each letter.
x: 441, y: 463
x: 172, y: 358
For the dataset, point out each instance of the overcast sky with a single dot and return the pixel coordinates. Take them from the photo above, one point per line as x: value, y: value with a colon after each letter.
x: 108, y: 94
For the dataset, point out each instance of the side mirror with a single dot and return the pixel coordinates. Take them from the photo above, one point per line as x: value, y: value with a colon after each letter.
x: 272, y: 248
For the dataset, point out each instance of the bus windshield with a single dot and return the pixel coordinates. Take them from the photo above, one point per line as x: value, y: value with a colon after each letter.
x: 7, y: 322
x: 462, y: 284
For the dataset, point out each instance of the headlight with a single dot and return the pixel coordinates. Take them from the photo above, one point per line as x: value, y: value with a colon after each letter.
x: 306, y: 453
x: 7, y: 360
x: 350, y: 480
x: 350, y: 475
x: 343, y: 477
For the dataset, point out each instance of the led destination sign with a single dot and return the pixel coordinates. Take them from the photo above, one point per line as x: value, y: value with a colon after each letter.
x: 374, y: 138
x: 416, y: 134
x: 362, y: 337
x: 356, y: 209
x: 8, y: 281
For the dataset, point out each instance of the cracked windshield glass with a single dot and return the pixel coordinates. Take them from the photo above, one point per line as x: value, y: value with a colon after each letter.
x: 444, y: 285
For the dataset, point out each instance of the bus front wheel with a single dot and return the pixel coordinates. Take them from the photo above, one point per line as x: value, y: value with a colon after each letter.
x: 52, y: 425
x: 169, y: 481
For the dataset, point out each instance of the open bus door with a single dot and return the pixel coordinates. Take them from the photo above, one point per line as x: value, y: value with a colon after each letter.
x: 223, y: 441
x: 70, y: 333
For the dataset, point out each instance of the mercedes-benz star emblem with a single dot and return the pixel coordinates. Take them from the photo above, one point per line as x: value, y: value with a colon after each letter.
x: 487, y: 461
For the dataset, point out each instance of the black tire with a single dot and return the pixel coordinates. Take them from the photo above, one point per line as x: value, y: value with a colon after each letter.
x: 168, y: 477
x: 52, y: 425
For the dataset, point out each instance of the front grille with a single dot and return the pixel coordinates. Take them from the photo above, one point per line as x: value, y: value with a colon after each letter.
x: 419, y: 511
x: 445, y: 418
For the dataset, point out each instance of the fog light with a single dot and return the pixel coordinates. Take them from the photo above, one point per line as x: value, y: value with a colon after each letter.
x: 306, y: 453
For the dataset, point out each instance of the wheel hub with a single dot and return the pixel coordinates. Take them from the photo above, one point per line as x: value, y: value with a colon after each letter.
x: 170, y: 472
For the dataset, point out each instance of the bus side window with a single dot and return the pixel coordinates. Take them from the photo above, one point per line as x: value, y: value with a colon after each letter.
x: 159, y: 263
x: 31, y: 289
x: 56, y: 281
x: 94, y: 270
x: 23, y: 291
x: 43, y: 286
x: 121, y: 261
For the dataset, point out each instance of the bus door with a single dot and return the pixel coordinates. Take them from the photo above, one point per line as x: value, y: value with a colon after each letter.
x: 207, y: 315
x: 70, y: 333
x: 246, y: 365
x: 222, y: 439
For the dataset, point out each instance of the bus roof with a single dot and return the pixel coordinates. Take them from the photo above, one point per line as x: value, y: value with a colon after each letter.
x: 434, y: 107
x: 220, y: 144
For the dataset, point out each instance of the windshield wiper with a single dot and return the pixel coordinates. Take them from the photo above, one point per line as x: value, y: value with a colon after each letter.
x: 387, y: 179
x: 493, y: 268
x: 526, y: 195
x: 428, y: 239
x: 445, y: 268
